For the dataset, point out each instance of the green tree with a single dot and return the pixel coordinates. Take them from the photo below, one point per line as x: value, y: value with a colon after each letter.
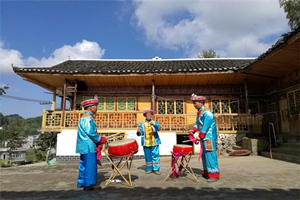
x: 46, y: 141
x: 3, y: 120
x: 208, y: 54
x: 13, y: 142
x: 292, y: 10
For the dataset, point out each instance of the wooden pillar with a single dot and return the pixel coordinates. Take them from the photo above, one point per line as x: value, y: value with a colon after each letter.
x: 44, y: 120
x: 71, y: 101
x: 75, y: 96
x: 153, y: 96
x: 64, y: 97
x: 246, y: 95
x: 116, y: 103
x: 54, y: 100
x: 63, y: 104
x: 277, y: 107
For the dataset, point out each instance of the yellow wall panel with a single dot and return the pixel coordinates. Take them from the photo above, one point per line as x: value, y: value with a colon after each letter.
x: 143, y: 103
x: 190, y: 107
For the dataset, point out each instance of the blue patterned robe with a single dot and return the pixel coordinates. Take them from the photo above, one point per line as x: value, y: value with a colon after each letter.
x: 87, y: 138
x: 205, y: 123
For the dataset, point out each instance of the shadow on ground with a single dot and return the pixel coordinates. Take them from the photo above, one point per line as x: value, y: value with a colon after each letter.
x: 159, y: 193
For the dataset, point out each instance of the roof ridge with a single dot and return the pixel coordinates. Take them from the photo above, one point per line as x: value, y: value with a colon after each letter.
x: 171, y: 59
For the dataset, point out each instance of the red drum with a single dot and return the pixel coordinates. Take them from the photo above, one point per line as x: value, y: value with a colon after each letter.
x: 183, y: 148
x: 123, y: 148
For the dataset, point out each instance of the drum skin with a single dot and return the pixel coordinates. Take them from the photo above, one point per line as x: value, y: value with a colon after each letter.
x: 123, y: 148
x: 182, y: 148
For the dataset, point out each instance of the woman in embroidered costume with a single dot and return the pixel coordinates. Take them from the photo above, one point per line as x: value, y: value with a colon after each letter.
x: 148, y: 131
x: 87, y: 139
x: 206, y: 133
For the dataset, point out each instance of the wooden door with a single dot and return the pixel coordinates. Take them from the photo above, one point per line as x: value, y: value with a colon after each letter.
x: 285, y: 128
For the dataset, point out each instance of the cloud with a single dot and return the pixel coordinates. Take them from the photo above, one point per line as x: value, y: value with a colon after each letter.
x: 7, y: 57
x: 233, y: 28
x: 81, y: 50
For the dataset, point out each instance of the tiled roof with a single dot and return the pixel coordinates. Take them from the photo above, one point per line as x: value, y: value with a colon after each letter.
x: 142, y: 66
x: 280, y: 43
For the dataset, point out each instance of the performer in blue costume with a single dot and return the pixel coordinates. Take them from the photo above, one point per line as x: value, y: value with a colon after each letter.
x: 87, y: 139
x: 206, y: 133
x: 148, y: 131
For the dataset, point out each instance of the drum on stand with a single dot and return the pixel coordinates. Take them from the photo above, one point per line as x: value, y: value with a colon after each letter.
x: 122, y: 151
x: 181, y: 157
x: 183, y: 148
x: 123, y: 148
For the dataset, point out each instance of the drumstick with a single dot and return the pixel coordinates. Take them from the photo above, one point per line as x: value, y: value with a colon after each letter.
x: 184, y: 141
x: 113, y: 135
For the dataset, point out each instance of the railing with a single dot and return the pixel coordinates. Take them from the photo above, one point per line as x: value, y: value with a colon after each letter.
x: 226, y: 123
x: 237, y: 123
x: 174, y: 122
x: 55, y: 121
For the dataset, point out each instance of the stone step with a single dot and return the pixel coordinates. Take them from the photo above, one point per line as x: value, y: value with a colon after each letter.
x: 283, y: 157
x: 287, y: 150
x: 291, y: 144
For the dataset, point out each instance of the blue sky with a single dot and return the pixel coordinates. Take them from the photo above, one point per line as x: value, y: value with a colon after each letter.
x: 44, y: 33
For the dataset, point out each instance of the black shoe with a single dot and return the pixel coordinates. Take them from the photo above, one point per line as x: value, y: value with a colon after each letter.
x: 205, y: 176
x: 95, y: 187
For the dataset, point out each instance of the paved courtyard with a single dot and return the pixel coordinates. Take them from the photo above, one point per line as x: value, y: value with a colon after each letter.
x: 245, y: 178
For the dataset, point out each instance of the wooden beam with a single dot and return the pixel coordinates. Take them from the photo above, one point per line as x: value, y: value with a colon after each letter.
x: 48, y: 87
x: 165, y: 90
x: 260, y: 75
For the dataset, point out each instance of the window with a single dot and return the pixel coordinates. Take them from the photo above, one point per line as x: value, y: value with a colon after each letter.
x: 216, y: 106
x: 110, y: 103
x: 121, y: 103
x: 179, y: 106
x: 297, y: 99
x: 19, y: 155
x: 170, y: 107
x: 79, y: 100
x: 271, y: 107
x: 101, y: 103
x: 131, y: 103
x: 294, y: 101
x: 126, y: 103
x: 105, y: 103
x: 225, y: 106
x: 253, y: 107
x: 234, y: 105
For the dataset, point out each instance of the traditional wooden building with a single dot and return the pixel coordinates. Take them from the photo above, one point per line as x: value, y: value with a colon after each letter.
x: 244, y: 94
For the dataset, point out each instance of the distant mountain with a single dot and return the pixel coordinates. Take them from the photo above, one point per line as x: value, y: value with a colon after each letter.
x: 25, y: 127
x: 14, y: 116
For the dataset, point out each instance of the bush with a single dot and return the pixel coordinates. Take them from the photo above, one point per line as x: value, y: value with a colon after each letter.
x: 2, y: 163
x: 35, y: 155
